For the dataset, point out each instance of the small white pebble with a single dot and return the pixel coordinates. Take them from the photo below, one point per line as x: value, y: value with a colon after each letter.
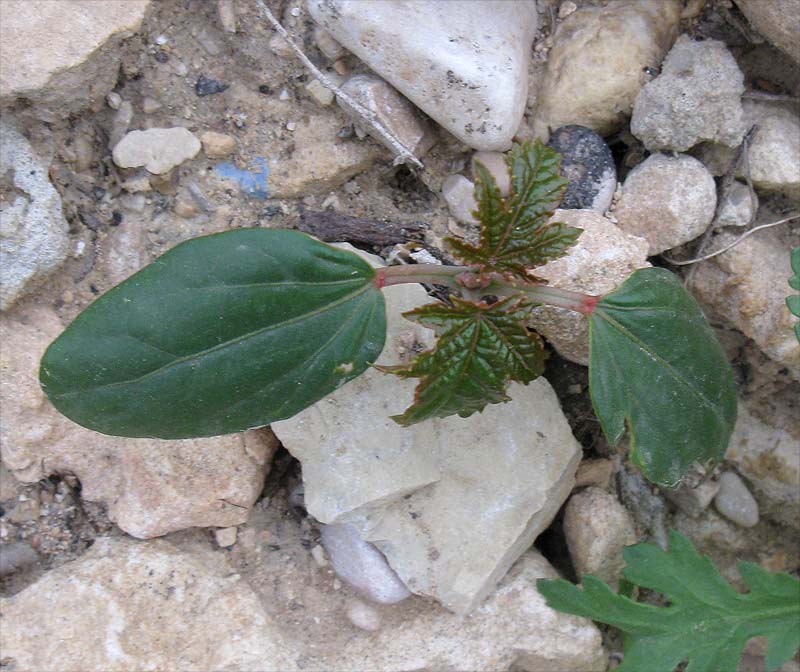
x: 735, y: 502
x: 161, y: 40
x: 291, y: 125
x: 567, y: 7
x: 295, y: 11
x: 337, y: 585
x: 318, y: 553
x: 225, y: 536
x: 363, y: 616
x: 114, y: 100
x: 284, y: 95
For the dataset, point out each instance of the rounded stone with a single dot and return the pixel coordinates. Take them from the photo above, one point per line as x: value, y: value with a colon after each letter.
x: 667, y: 200
x: 735, y: 502
x: 495, y: 163
x: 587, y: 162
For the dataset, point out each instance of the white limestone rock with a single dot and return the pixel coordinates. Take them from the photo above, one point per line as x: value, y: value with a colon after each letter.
x: 667, y: 200
x: 696, y: 98
x: 465, y: 66
x: 150, y: 487
x: 596, y: 66
x: 128, y: 605
x: 34, y: 239
x: 63, y: 56
x: 599, y: 262
x: 451, y: 503
x: 159, y: 150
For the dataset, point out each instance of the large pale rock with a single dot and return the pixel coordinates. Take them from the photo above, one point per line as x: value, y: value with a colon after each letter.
x: 159, y: 150
x: 747, y: 286
x: 768, y: 458
x: 320, y: 161
x: 596, y: 66
x: 599, y: 262
x: 777, y: 20
x: 33, y: 231
x: 464, y: 65
x: 451, y: 503
x: 128, y: 605
x: 697, y: 97
x: 63, y: 56
x: 597, y: 527
x: 667, y: 200
x: 150, y: 487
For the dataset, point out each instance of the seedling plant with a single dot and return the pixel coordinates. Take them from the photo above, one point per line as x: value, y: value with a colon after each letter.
x: 243, y: 328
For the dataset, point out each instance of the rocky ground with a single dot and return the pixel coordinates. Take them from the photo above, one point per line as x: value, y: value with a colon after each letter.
x: 337, y: 540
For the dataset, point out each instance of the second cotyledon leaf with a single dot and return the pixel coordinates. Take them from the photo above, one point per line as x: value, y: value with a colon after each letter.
x: 657, y: 367
x: 480, y: 349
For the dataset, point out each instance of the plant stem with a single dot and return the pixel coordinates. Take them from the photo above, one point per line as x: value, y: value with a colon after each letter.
x: 458, y: 277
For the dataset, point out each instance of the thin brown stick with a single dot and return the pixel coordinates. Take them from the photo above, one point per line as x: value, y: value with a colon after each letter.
x: 733, y: 244
x: 403, y: 153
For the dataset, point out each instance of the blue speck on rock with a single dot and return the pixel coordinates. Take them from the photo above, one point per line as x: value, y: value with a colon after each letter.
x: 251, y: 182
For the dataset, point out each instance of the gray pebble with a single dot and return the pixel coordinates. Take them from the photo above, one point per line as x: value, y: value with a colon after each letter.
x: 587, y: 162
x: 735, y: 502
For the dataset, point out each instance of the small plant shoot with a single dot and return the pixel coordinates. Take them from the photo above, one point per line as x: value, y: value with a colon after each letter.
x: 707, y: 622
x: 794, y: 282
x: 239, y: 329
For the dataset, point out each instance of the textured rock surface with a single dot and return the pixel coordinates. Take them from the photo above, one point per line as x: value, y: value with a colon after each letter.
x: 362, y: 565
x: 774, y: 149
x: 595, y: 69
x: 697, y: 97
x: 129, y: 605
x: 468, y: 495
x: 587, y: 162
x: 667, y: 201
x: 150, y: 487
x: 467, y: 69
x: 735, y: 502
x: 159, y: 150
x: 768, y: 458
x: 747, y: 287
x: 319, y: 161
x: 597, y: 527
x: 218, y: 145
x: 777, y: 20
x: 65, y: 54
x: 737, y: 206
x: 602, y: 259
x: 391, y: 109
x: 33, y: 233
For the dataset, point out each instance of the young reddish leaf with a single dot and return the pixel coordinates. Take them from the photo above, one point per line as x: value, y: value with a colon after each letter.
x: 515, y: 234
x: 480, y: 349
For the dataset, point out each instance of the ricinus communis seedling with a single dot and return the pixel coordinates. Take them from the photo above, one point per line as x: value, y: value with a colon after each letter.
x: 242, y: 328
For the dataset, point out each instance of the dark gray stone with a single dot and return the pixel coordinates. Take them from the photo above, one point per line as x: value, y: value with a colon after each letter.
x: 587, y: 163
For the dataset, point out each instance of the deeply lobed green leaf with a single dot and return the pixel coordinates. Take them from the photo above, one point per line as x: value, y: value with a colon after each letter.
x: 657, y: 367
x: 515, y: 234
x: 707, y: 622
x: 480, y: 349
x: 220, y: 334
